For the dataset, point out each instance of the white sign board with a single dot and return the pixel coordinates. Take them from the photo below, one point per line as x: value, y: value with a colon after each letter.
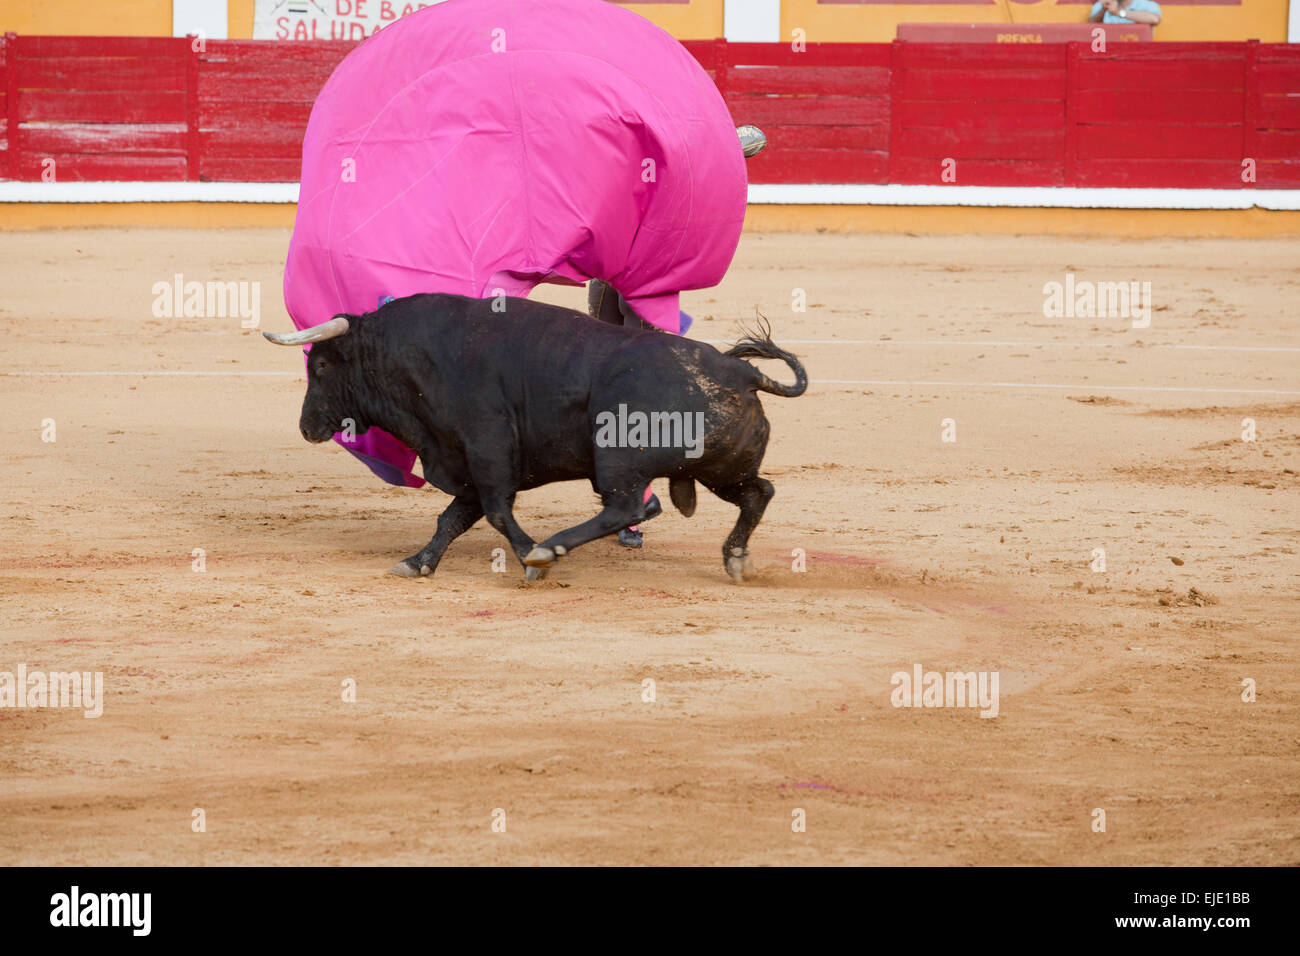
x: 328, y: 19
x: 200, y: 18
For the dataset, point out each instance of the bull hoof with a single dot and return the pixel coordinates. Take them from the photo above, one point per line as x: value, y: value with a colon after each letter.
x: 739, y: 566
x: 540, y: 557
x: 403, y: 569
x: 535, y: 574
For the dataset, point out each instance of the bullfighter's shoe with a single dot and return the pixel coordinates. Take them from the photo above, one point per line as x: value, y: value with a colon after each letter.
x: 752, y: 140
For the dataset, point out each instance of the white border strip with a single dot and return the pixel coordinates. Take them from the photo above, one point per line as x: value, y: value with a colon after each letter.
x: 759, y: 194
x: 1057, y: 197
x: 149, y: 192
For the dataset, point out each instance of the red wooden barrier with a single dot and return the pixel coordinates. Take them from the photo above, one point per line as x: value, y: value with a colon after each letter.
x: 1166, y: 114
x: 825, y: 110
x: 1160, y: 114
x: 1274, y: 114
x: 987, y: 114
x: 253, y: 105
x: 89, y: 108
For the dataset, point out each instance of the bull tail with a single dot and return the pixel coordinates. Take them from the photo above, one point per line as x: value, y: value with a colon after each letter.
x: 682, y: 492
x: 758, y: 344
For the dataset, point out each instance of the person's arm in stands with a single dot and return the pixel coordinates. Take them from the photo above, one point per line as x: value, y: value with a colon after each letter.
x: 1142, y: 11
x: 1100, y: 8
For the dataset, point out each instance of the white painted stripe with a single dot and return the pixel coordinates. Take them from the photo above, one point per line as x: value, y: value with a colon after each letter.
x: 759, y: 194
x: 1038, y: 196
x: 1084, y: 387
x: 149, y: 192
x: 1060, y: 345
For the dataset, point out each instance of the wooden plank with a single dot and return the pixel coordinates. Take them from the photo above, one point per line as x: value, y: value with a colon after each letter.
x: 33, y: 47
x: 817, y: 80
x: 820, y: 166
x: 13, y: 127
x: 9, y: 168
x: 252, y: 142
x: 1153, y: 75
x: 1278, y: 77
x: 814, y: 54
x: 220, y: 114
x: 1279, y: 53
x: 895, y: 111
x: 247, y: 89
x: 720, y: 72
x: 1157, y: 141
x: 795, y: 138
x: 1278, y: 175
x: 106, y: 138
x: 1004, y: 114
x: 1273, y: 145
x: 104, y: 73
x: 1249, y: 146
x: 1162, y: 174
x: 79, y: 167
x: 938, y: 143
x: 1002, y: 84
x: 266, y: 68
x: 1070, y: 149
x: 808, y: 111
x: 99, y: 107
x: 306, y: 52
x: 238, y: 170
x: 1202, y: 108
x: 1279, y: 112
x: 193, y: 147
x: 979, y: 172
x: 1167, y: 51
x: 979, y: 56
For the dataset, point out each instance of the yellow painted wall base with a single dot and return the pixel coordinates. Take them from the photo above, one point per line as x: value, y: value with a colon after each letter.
x: 195, y: 215
x: 923, y: 220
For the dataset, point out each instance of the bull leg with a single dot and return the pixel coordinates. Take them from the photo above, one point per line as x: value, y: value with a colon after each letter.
x: 457, y: 518
x: 620, y: 511
x: 751, y: 496
x: 499, y: 508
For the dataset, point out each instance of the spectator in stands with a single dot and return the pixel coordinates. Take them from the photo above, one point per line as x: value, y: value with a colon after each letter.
x: 1125, y: 11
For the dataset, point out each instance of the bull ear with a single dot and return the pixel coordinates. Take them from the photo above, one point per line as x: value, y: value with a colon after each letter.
x: 317, y: 333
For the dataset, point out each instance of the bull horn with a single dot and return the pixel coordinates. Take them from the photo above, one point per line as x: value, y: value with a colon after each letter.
x: 317, y: 333
x: 752, y: 140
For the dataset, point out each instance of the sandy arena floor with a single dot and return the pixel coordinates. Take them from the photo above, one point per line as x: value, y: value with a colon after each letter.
x: 475, y: 692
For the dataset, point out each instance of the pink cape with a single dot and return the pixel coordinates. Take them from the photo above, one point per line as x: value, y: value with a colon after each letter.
x: 480, y: 147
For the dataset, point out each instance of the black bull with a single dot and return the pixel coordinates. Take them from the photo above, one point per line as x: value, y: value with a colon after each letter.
x: 495, y: 401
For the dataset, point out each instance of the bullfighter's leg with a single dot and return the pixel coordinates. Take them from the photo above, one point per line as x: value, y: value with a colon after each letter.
x: 602, y: 302
x: 457, y: 518
x: 751, y: 496
x: 605, y: 304
x: 621, y: 509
